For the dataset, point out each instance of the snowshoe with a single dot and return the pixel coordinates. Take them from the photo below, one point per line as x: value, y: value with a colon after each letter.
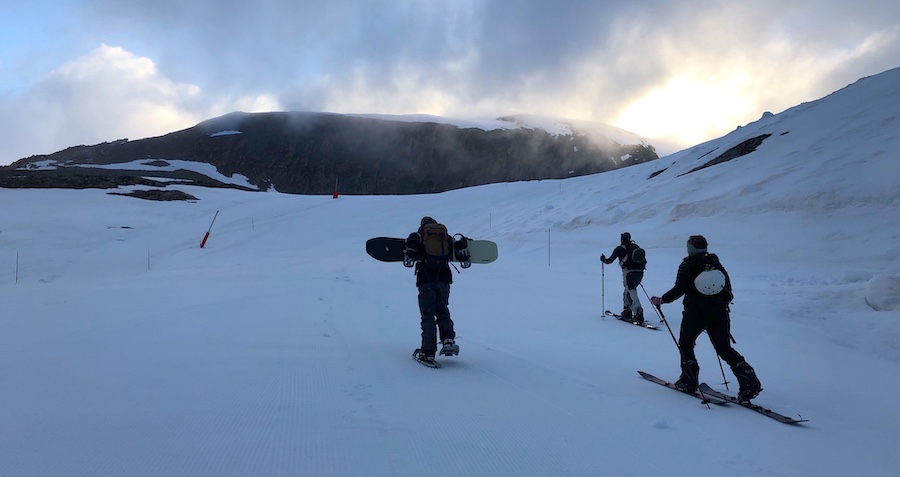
x: 449, y: 348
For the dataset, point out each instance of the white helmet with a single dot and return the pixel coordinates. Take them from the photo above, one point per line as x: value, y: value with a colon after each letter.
x: 710, y: 282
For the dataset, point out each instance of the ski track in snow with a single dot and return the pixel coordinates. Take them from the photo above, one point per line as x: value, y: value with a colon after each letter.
x: 283, y: 347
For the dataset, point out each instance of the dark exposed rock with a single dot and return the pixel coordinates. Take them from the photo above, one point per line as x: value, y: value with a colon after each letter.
x: 742, y: 149
x: 157, y: 194
x: 657, y: 173
x: 308, y: 153
x: 90, y: 178
x: 69, y: 179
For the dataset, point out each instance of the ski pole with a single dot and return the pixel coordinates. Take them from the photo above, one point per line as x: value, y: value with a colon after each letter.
x: 663, y: 319
x: 722, y: 368
x: 603, y: 290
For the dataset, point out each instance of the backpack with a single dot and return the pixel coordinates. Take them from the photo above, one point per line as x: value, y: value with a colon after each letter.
x: 639, y: 255
x: 710, y: 282
x: 635, y: 257
x: 437, y: 245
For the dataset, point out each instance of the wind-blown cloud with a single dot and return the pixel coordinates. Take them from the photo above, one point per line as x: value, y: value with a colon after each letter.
x: 105, y: 95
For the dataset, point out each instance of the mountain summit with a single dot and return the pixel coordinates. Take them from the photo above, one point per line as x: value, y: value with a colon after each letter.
x: 308, y: 153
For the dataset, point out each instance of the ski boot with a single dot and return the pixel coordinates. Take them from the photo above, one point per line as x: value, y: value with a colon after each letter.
x: 638, y: 318
x: 688, y: 381
x: 749, y: 383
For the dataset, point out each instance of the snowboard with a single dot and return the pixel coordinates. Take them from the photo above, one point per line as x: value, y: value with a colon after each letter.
x: 388, y: 249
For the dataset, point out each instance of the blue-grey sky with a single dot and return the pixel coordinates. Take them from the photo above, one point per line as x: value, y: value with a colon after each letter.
x: 675, y: 71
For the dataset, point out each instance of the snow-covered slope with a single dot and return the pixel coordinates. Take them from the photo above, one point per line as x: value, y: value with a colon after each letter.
x: 281, y: 348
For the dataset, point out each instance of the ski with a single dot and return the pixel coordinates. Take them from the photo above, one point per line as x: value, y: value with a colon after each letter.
x: 621, y: 318
x: 430, y: 364
x: 705, y: 398
x: 708, y: 391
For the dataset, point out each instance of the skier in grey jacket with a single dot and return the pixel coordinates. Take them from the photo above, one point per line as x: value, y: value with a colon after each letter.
x: 632, y: 274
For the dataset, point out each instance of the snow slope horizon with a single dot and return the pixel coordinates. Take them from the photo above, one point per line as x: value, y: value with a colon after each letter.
x: 282, y: 349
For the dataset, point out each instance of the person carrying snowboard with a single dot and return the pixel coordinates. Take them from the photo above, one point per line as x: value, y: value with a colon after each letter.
x: 430, y: 250
x: 706, y: 288
x: 633, y: 261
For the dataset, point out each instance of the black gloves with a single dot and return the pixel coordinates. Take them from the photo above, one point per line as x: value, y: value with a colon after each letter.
x: 464, y: 258
x: 462, y: 252
x: 412, y: 246
x: 409, y: 258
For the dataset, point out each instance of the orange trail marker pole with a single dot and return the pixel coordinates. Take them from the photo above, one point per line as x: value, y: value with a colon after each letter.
x: 205, y: 237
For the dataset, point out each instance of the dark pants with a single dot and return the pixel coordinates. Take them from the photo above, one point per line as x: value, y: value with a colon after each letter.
x: 715, y: 320
x: 434, y: 299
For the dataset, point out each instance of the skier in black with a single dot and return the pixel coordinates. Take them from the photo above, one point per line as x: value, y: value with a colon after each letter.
x: 433, y: 281
x: 706, y: 288
x: 632, y: 274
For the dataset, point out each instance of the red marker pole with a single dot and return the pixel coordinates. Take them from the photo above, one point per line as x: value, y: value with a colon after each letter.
x: 208, y: 230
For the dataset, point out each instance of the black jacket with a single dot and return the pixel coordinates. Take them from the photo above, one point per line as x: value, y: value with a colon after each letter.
x: 684, y: 282
x: 623, y: 254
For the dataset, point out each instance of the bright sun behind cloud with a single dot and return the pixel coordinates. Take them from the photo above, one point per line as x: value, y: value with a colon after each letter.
x: 688, y: 111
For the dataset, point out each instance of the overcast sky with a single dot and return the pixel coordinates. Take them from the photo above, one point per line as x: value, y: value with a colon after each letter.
x: 86, y: 71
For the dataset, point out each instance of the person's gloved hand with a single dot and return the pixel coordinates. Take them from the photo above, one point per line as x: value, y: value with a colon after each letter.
x: 603, y: 257
x: 409, y: 258
x: 657, y: 301
x: 464, y: 257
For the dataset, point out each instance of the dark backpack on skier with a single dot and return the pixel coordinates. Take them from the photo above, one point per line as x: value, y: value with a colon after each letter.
x: 635, y: 257
x: 437, y: 245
